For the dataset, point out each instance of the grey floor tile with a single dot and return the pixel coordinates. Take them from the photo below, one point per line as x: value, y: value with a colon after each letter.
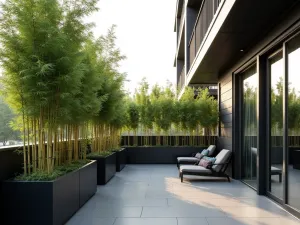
x: 192, y: 221
x: 181, y: 212
x: 81, y: 220
x: 139, y: 202
x: 252, y: 221
x: 146, y: 221
x: 123, y: 202
x: 205, y: 202
x: 253, y: 212
x: 159, y: 194
x: 153, y: 194
x: 110, y: 211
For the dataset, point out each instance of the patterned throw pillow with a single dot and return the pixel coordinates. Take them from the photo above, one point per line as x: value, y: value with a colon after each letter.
x: 199, y: 155
x: 212, y: 159
x: 205, y: 152
x: 205, y: 163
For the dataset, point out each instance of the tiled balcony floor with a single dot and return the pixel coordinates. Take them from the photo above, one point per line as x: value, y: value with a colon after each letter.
x: 153, y: 195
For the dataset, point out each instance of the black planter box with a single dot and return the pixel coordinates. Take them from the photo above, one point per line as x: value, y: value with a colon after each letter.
x: 121, y: 159
x: 158, y: 155
x: 46, y: 202
x: 106, y: 167
x: 87, y: 182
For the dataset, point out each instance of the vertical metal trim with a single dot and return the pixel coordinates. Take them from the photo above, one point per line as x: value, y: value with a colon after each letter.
x: 219, y: 109
x: 261, y: 125
x: 285, y: 125
x: 235, y: 127
x: 237, y: 124
x: 268, y: 126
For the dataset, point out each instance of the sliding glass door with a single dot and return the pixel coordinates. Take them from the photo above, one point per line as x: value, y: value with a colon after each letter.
x: 249, y: 126
x: 293, y: 115
x: 284, y: 114
x: 276, y: 73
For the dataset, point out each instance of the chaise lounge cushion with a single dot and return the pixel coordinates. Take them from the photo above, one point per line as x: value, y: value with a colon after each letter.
x: 187, y: 159
x: 194, y: 169
x: 206, y: 152
x: 275, y: 170
x: 222, y: 157
x: 211, y: 150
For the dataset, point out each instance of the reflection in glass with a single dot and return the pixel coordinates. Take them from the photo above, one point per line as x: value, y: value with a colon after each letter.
x: 293, y: 50
x: 276, y: 110
x: 249, y: 122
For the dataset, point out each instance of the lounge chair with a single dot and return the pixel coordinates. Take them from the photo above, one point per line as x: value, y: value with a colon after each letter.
x: 274, y: 170
x: 218, y: 169
x: 192, y: 160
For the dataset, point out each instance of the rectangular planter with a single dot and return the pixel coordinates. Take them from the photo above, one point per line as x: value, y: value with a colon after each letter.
x: 87, y: 182
x: 46, y: 202
x: 106, y: 167
x: 121, y: 159
x: 158, y: 155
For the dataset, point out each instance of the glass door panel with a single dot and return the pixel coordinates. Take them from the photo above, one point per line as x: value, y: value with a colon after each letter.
x: 249, y: 126
x: 293, y: 59
x: 276, y: 68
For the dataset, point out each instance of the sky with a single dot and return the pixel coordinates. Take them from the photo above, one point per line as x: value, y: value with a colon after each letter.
x: 145, y: 34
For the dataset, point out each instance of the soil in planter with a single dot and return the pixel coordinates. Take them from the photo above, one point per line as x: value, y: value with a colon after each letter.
x: 57, y: 172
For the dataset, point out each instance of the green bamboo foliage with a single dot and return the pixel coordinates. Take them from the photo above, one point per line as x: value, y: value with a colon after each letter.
x: 110, y: 119
x: 63, y: 84
x: 160, y: 113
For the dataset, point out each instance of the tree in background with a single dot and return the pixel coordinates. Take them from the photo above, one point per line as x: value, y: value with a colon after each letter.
x: 161, y: 113
x: 145, y: 108
x: 6, y: 130
x: 163, y: 107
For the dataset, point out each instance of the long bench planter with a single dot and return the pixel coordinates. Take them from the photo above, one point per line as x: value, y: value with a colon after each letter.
x: 106, y: 167
x: 121, y: 159
x: 158, y: 154
x: 48, y: 202
x: 87, y: 182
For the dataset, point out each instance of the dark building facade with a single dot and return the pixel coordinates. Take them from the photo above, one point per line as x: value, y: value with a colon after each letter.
x: 251, y: 50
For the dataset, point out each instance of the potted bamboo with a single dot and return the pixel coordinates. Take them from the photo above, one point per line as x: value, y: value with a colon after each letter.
x: 116, y: 124
x: 52, y: 84
x: 176, y: 124
x: 108, y: 121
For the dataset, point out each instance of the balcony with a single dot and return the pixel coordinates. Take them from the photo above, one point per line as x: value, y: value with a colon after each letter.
x: 180, y: 35
x: 204, y: 19
x: 182, y: 19
x: 181, y: 80
x: 225, y: 31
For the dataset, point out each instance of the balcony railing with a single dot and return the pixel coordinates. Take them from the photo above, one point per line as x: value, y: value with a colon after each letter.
x: 204, y: 19
x: 181, y: 24
x: 181, y: 81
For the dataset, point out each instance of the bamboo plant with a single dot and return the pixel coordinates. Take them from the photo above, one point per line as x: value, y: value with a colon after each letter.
x: 59, y: 80
x: 162, y: 114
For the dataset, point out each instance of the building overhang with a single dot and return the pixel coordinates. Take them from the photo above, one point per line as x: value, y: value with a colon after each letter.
x: 179, y: 7
x: 236, y: 28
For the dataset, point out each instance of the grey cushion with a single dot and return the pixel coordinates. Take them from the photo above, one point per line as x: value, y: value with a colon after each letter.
x: 187, y: 159
x: 222, y: 157
x: 254, y: 150
x: 211, y: 150
x: 194, y: 169
x: 275, y: 169
x: 198, y: 155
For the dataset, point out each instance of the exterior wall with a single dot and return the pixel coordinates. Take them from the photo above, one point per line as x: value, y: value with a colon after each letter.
x: 191, y: 16
x: 225, y: 108
x: 229, y: 87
